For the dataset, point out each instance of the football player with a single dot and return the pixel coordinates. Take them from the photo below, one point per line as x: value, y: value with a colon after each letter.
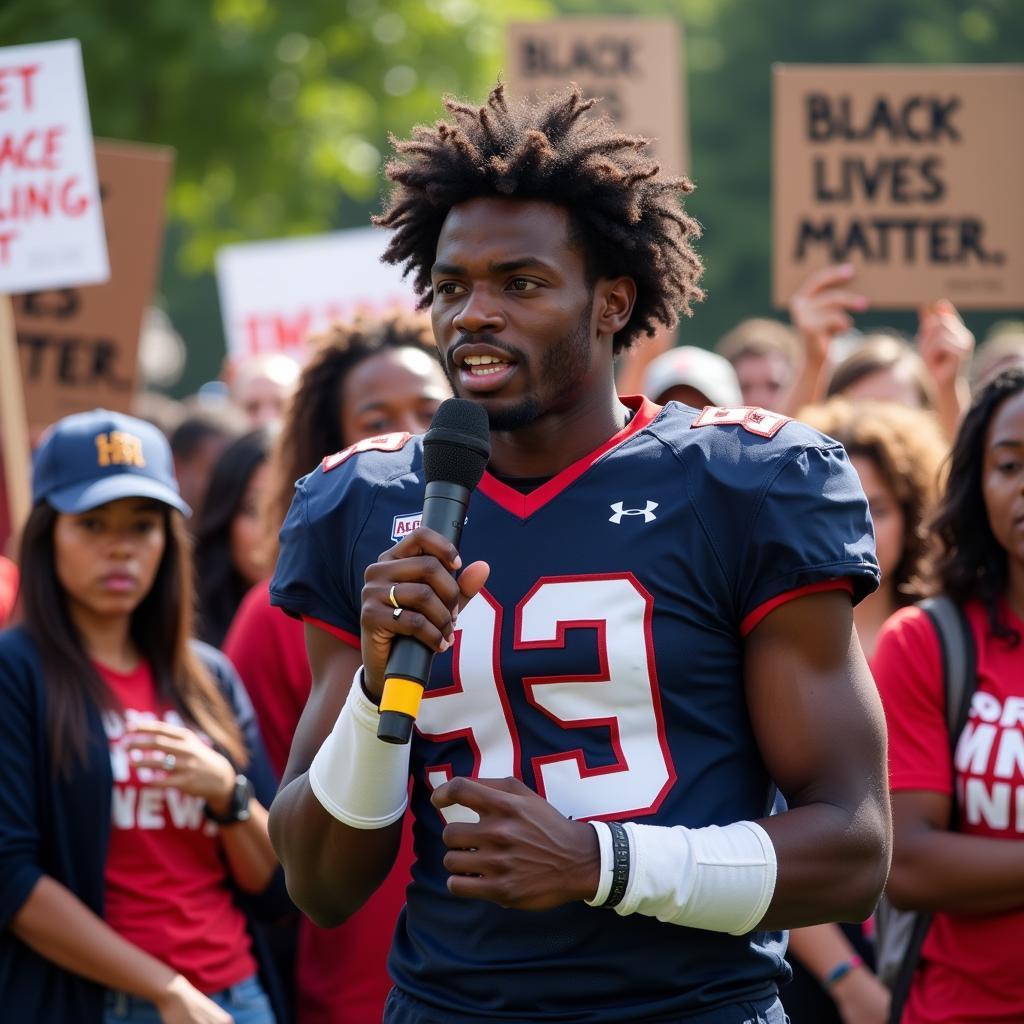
x: 648, y: 626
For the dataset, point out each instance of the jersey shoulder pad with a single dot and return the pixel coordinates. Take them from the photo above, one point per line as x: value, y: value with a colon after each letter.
x: 751, y: 418
x: 338, y: 495
x: 735, y: 442
x: 378, y: 443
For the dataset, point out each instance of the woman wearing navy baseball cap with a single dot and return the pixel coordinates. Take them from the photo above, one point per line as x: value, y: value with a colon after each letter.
x: 127, y: 816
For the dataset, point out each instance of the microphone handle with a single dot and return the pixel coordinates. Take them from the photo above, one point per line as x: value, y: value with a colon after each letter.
x: 408, y: 668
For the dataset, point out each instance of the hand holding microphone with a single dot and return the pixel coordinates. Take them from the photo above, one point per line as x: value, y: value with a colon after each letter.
x: 410, y: 591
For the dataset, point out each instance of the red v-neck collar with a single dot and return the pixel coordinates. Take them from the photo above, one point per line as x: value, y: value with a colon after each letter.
x: 524, y: 505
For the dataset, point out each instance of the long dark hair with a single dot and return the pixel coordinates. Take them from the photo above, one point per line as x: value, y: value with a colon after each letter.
x: 312, y: 420
x: 220, y: 586
x: 161, y: 627
x: 972, y: 564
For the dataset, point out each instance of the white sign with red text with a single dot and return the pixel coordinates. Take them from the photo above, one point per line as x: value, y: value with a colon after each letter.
x: 274, y: 295
x: 51, y: 222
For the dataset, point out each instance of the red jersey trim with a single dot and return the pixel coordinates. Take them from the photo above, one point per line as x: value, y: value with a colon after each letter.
x: 754, y: 617
x: 343, y: 635
x: 524, y: 505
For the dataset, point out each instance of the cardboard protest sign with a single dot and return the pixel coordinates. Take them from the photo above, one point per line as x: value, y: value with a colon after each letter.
x: 275, y: 294
x: 910, y: 173
x: 51, y: 225
x: 633, y: 64
x: 79, y: 346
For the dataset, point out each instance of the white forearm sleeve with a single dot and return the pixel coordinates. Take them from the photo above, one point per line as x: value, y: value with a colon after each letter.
x: 360, y: 780
x: 719, y: 879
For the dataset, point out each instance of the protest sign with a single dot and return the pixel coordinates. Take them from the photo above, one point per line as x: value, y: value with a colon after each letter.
x: 912, y: 174
x: 275, y: 294
x: 51, y: 225
x: 79, y: 346
x: 633, y: 64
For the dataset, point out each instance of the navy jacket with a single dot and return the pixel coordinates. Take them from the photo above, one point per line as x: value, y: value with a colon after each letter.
x: 61, y: 826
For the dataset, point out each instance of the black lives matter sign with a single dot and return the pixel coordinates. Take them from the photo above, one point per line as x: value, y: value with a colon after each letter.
x: 909, y: 173
x: 633, y: 64
x: 79, y: 346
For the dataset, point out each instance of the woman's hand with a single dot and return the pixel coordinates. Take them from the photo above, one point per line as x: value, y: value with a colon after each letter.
x: 861, y: 998
x: 944, y: 343
x: 182, y: 1003
x: 180, y: 760
x: 821, y: 308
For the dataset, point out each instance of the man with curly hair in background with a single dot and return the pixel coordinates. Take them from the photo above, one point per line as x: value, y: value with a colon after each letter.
x: 660, y: 633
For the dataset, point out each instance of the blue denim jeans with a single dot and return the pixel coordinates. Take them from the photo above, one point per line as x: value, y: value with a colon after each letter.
x: 246, y: 1002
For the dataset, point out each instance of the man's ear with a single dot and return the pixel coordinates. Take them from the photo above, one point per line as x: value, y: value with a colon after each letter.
x: 614, y: 298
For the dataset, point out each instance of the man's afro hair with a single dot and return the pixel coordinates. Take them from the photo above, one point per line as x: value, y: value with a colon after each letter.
x: 626, y: 218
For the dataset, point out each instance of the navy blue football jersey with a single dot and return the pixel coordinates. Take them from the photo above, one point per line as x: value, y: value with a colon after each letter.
x: 602, y: 665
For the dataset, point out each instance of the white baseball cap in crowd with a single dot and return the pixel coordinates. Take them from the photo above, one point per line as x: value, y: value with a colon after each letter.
x: 696, y: 368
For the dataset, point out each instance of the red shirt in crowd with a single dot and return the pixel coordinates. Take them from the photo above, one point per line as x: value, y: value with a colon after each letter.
x: 972, y: 967
x: 8, y: 588
x: 341, y: 974
x: 167, y: 887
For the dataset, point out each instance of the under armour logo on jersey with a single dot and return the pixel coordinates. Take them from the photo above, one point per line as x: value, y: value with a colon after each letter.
x: 647, y: 513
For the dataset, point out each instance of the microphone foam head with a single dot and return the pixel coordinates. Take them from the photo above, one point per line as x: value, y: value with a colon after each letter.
x: 458, y: 444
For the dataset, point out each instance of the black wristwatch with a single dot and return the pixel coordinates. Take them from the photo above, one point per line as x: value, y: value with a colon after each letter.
x: 238, y: 806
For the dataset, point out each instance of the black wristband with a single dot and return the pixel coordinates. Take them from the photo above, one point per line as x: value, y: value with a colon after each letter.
x: 620, y: 864
x: 238, y: 807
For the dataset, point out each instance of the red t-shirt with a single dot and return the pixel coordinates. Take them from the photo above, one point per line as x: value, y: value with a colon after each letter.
x: 972, y: 965
x: 8, y: 588
x: 341, y: 974
x: 268, y: 649
x: 167, y: 885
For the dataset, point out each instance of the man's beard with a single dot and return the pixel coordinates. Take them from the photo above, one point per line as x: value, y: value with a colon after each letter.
x: 563, y: 366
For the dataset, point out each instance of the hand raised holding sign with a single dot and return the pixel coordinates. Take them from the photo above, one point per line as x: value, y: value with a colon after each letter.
x: 946, y: 346
x: 821, y: 309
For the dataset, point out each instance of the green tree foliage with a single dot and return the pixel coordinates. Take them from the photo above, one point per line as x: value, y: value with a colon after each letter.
x: 280, y: 112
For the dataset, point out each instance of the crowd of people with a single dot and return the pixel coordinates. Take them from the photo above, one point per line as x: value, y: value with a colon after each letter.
x: 157, y: 687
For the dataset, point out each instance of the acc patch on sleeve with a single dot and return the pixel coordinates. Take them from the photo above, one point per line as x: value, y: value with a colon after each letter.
x: 749, y: 417
x: 380, y: 443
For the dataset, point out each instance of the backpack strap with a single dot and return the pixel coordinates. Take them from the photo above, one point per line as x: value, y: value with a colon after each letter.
x: 959, y: 664
x: 960, y: 680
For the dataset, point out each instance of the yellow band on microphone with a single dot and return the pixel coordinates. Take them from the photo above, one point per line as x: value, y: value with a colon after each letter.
x: 402, y: 695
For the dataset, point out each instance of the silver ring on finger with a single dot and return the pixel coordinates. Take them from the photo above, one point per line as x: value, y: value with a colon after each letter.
x: 169, y: 762
x: 393, y: 599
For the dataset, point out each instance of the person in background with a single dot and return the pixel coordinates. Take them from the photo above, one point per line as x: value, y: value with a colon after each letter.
x: 164, y: 412
x: 884, y: 368
x: 132, y: 823
x: 693, y: 376
x: 822, y: 308
x: 367, y: 378
x: 969, y: 875
x: 196, y: 445
x: 8, y: 588
x: 897, y: 453
x: 765, y: 355
x: 229, y: 557
x: 261, y: 385
x: 1002, y: 348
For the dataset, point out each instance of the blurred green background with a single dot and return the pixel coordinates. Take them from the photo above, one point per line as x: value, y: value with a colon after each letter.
x: 280, y: 113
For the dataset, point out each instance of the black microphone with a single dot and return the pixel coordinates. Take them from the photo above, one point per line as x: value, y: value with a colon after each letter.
x: 455, y: 453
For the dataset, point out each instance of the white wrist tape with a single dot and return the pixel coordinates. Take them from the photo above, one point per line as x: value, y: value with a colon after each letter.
x: 719, y: 879
x: 604, y: 885
x: 360, y: 780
